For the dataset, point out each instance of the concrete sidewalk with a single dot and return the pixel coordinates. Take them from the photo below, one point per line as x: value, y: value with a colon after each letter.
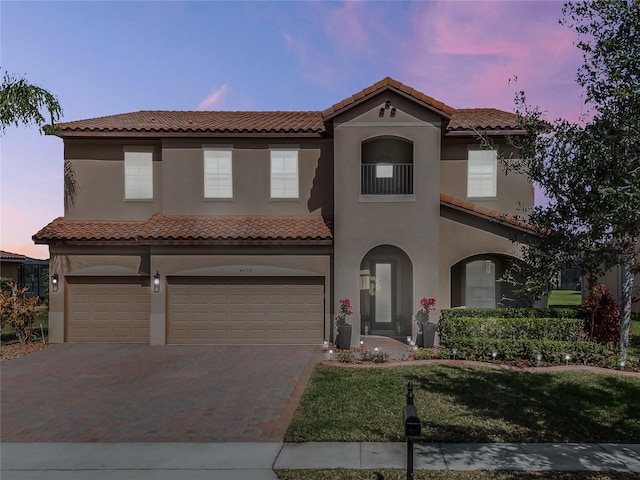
x: 256, y: 461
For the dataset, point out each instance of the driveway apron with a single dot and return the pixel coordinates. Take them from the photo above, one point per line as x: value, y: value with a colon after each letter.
x: 142, y: 393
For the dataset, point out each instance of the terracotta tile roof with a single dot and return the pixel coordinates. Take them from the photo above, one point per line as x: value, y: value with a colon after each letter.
x: 146, y: 122
x: 391, y: 84
x: 151, y: 123
x: 482, y: 119
x: 486, y: 213
x: 187, y: 229
x: 11, y: 256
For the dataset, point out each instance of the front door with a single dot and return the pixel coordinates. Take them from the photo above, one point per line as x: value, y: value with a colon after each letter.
x: 382, y: 298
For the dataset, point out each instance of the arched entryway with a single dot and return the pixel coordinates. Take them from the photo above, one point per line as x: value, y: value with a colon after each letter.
x: 476, y: 282
x: 386, y: 292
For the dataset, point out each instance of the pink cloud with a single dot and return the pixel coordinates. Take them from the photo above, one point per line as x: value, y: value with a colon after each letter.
x: 214, y: 99
x: 466, y: 52
x: 345, y: 26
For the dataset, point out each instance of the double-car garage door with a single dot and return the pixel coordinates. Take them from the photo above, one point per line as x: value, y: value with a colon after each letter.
x: 204, y: 310
x: 245, y: 310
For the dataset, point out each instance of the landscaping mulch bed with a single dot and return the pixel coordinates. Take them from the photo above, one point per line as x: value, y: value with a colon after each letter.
x: 16, y: 350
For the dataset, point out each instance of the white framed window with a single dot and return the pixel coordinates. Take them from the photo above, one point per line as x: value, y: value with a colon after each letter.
x: 138, y: 175
x: 284, y: 174
x: 482, y: 174
x: 218, y: 174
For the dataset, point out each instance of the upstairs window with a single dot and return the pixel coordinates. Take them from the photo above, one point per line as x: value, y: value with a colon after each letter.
x: 218, y: 174
x: 284, y: 174
x: 482, y: 174
x: 138, y: 175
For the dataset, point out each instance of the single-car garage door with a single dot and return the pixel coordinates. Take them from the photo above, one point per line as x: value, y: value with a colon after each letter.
x: 107, y: 309
x: 256, y: 310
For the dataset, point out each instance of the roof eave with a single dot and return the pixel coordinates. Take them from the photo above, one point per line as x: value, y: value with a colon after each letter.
x: 498, y: 132
x: 184, y: 134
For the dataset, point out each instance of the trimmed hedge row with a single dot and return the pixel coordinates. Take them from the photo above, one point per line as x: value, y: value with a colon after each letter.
x: 513, y: 313
x: 481, y: 349
x: 556, y: 329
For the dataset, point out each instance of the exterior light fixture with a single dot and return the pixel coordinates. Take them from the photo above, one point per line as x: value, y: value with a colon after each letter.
x: 454, y: 352
x: 376, y: 349
x: 393, y: 112
x: 387, y: 104
x: 567, y: 357
x: 621, y: 364
x: 381, y: 112
x: 494, y: 355
x: 156, y: 282
x: 54, y: 282
x: 408, y: 339
x: 538, y: 359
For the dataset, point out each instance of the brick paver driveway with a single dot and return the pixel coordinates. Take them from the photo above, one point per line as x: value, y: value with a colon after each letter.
x: 139, y: 393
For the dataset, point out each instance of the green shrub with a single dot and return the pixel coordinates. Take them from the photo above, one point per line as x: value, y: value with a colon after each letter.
x: 346, y: 356
x: 481, y: 349
x: 512, y: 313
x: 557, y: 329
x: 373, y: 356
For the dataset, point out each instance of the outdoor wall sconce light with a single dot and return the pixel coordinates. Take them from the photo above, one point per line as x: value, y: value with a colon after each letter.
x: 156, y: 282
x: 387, y: 104
x: 393, y: 112
x: 381, y: 112
x: 54, y: 282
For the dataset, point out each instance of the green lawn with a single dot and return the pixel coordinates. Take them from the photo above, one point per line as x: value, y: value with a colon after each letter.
x: 565, y: 298
x: 340, y: 474
x: 467, y: 404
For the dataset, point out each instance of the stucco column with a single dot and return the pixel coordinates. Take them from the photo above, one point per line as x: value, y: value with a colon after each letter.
x: 158, y: 315
x: 56, y: 300
x: 346, y: 286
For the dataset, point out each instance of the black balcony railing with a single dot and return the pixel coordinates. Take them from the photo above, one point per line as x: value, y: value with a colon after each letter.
x: 388, y: 179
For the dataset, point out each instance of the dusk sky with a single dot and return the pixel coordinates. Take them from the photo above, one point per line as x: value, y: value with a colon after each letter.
x: 104, y: 58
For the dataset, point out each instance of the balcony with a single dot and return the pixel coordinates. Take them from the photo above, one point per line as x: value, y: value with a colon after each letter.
x: 386, y: 179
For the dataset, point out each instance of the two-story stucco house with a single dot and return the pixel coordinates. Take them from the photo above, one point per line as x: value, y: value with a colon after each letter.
x: 248, y: 227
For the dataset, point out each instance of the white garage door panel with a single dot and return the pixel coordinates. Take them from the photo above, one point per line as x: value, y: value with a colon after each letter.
x: 269, y: 310
x: 107, y: 312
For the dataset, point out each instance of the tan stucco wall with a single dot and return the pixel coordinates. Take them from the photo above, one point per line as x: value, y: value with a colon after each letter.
x: 409, y: 225
x: 459, y: 241
x: 99, y: 169
x: 178, y: 187
x: 515, y: 193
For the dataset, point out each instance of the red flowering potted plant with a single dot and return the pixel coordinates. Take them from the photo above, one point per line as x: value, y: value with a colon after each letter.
x: 426, y: 329
x: 343, y: 338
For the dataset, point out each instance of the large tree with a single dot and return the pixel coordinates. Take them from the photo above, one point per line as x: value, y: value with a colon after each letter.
x: 590, y: 170
x: 22, y: 103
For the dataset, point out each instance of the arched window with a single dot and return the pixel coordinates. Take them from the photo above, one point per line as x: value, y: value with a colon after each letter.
x: 476, y: 282
x: 387, y: 166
